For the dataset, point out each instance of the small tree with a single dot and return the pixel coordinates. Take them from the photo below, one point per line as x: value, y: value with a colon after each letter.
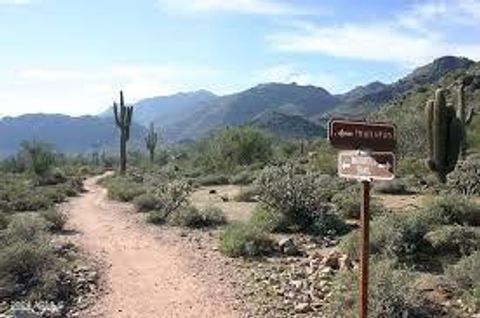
x: 123, y: 119
x: 151, y: 140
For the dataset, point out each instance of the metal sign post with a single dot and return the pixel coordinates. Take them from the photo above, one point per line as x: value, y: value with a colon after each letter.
x: 364, y: 243
x: 369, y: 157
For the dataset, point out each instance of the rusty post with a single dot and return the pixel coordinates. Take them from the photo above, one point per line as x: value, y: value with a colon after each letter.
x: 364, y: 256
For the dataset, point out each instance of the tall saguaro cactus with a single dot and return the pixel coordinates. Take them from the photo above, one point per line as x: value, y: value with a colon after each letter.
x: 465, y: 116
x: 445, y: 133
x: 151, y: 140
x: 123, y: 119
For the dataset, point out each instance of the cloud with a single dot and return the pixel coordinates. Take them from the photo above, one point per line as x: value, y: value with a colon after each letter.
x: 287, y: 73
x: 89, y: 91
x: 261, y: 7
x: 413, y: 37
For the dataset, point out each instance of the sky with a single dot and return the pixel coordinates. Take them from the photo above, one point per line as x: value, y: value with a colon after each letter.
x: 73, y: 56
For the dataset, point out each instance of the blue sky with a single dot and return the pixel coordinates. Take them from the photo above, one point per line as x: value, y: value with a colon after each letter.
x: 72, y: 56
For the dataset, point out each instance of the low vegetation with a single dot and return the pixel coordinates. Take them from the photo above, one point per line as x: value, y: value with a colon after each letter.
x: 244, y: 240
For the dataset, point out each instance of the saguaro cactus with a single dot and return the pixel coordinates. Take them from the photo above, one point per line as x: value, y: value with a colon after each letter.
x: 123, y: 119
x: 445, y: 133
x: 151, y: 140
x: 464, y: 115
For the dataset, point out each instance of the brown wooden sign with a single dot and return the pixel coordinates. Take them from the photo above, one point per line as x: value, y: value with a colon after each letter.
x: 351, y: 135
x: 361, y: 165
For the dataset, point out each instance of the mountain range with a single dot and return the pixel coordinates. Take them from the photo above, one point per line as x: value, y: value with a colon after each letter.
x: 288, y: 110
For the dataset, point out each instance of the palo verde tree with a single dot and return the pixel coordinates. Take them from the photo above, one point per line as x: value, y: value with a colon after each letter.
x: 123, y: 119
x: 151, y: 140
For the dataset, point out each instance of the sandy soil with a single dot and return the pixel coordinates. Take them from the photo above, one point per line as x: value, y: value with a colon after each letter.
x: 150, y: 271
x: 235, y: 211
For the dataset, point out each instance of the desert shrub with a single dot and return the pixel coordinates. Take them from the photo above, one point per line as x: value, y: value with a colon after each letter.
x: 266, y: 219
x: 454, y: 240
x: 399, y: 237
x: 190, y: 216
x: 146, y: 202
x: 3, y: 221
x: 172, y: 196
x: 411, y: 166
x: 323, y: 158
x: 247, y: 194
x: 397, y: 186
x: 39, y: 156
x: 25, y: 263
x: 53, y: 177
x: 301, y: 198
x: 26, y: 259
x: 348, y: 204
x: 465, y: 179
x: 240, y: 239
x: 452, y: 209
x: 233, y: 147
x: 27, y: 227
x: 122, y: 189
x: 56, y: 220
x: 391, y: 293
x: 212, y: 180
x: 156, y: 217
x: 242, y: 178
x: 466, y: 275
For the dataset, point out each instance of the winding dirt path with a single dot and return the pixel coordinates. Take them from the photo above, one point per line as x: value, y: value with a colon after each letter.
x: 149, y: 271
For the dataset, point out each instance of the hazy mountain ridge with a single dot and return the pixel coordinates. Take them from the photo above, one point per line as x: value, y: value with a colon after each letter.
x: 66, y: 133
x: 288, y: 110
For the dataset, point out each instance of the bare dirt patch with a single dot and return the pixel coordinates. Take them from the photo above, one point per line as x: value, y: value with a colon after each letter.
x: 222, y: 198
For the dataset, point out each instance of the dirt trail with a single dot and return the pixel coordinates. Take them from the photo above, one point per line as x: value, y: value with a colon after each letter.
x: 150, y: 272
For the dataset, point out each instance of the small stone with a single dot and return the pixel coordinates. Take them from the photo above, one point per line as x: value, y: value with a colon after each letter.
x: 288, y: 247
x: 302, y: 308
x: 333, y: 260
x: 212, y: 191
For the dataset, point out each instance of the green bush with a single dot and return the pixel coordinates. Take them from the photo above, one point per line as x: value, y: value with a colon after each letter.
x: 38, y: 156
x: 55, y: 220
x: 245, y: 240
x: 301, y: 198
x: 233, y: 147
x: 173, y: 196
x: 212, y: 180
x: 399, y: 237
x: 247, y: 194
x: 28, y: 265
x: 466, y: 275
x: 391, y: 293
x: 27, y: 227
x: 452, y: 209
x: 348, y: 204
x: 146, y: 202
x: 25, y: 263
x: 265, y: 219
x: 411, y: 166
x: 190, y: 216
x: 465, y: 179
x: 3, y: 221
x: 242, y: 178
x: 156, y: 217
x: 124, y: 190
x: 454, y: 240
